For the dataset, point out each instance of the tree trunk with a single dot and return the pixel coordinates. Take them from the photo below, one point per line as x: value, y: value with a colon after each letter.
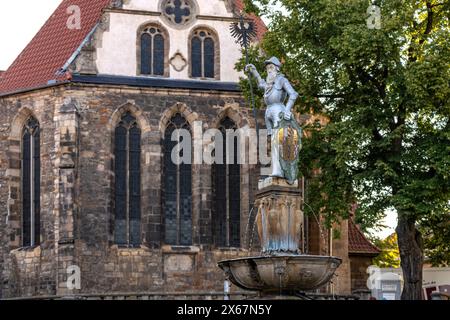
x: 411, y: 254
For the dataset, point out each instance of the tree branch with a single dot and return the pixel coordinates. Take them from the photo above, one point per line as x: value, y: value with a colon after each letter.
x: 429, y: 22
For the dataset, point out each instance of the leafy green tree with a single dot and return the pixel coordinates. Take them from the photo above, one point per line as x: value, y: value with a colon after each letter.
x: 436, y: 234
x: 390, y: 255
x: 385, y: 92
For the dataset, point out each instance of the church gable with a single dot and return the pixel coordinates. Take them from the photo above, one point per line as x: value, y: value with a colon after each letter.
x: 173, y: 39
x: 106, y: 42
x: 51, y: 47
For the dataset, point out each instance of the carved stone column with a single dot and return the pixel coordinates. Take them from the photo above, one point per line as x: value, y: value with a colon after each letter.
x: 280, y: 218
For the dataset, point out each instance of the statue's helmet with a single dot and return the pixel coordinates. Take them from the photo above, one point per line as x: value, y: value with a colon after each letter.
x: 274, y: 61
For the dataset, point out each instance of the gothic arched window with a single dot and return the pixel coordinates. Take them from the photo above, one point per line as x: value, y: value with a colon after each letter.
x: 127, y: 169
x: 177, y: 191
x: 31, y: 183
x: 226, y: 194
x: 153, y: 51
x: 203, y: 54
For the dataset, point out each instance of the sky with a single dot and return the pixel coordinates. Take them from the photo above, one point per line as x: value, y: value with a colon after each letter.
x: 20, y: 20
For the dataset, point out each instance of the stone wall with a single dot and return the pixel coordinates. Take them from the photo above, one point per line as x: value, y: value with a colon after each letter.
x: 77, y: 123
x: 359, y: 264
x: 29, y: 271
x: 342, y: 278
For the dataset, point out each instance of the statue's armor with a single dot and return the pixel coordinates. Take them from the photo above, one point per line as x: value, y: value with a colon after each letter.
x: 275, y: 95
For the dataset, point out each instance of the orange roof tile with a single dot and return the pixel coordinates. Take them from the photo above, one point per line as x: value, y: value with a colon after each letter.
x: 358, y: 243
x: 51, y: 47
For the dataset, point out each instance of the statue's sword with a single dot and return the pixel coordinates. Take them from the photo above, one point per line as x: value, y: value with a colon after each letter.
x: 243, y: 31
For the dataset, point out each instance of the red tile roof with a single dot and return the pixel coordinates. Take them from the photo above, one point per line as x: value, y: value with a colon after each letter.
x: 358, y: 243
x: 54, y: 44
x: 51, y: 47
x: 261, y: 27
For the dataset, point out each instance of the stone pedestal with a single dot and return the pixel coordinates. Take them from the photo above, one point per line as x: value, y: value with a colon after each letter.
x: 280, y: 218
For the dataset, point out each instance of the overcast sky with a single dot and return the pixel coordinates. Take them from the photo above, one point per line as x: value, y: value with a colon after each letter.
x: 20, y: 20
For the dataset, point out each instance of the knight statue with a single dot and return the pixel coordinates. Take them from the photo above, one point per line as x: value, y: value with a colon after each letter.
x: 283, y: 129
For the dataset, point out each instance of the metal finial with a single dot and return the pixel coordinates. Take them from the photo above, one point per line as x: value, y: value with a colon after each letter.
x: 243, y: 31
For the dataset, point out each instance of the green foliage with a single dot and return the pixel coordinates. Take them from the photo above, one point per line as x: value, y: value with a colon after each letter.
x: 390, y: 255
x: 436, y: 234
x: 385, y: 94
x: 258, y: 61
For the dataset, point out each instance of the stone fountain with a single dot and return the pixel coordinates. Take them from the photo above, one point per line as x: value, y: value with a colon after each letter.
x: 282, y: 269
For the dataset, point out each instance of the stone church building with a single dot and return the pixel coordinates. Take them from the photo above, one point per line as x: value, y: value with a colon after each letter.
x: 86, y: 116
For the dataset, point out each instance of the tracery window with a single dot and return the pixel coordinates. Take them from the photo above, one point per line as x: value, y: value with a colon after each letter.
x: 177, y: 190
x: 226, y: 197
x: 153, y: 50
x: 203, y: 54
x: 127, y: 169
x: 31, y: 181
x: 179, y: 13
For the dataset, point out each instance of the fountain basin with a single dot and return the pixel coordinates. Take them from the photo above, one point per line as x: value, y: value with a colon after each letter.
x: 281, y: 272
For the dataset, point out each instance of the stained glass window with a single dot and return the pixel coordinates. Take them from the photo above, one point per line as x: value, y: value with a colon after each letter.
x: 226, y: 188
x: 203, y: 54
x: 31, y: 181
x: 177, y: 195
x: 127, y: 169
x: 152, y: 51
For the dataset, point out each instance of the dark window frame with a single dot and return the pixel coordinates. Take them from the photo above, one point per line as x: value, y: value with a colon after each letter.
x: 177, y: 192
x: 204, y: 63
x: 127, y: 181
x: 30, y: 183
x: 226, y: 195
x: 155, y: 31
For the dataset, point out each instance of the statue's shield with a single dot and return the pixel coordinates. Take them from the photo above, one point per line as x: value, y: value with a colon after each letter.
x: 289, y: 144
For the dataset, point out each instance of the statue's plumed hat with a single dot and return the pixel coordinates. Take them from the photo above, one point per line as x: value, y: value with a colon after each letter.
x: 274, y: 61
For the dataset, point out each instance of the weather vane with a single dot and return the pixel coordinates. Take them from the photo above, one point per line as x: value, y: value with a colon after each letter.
x: 244, y: 31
